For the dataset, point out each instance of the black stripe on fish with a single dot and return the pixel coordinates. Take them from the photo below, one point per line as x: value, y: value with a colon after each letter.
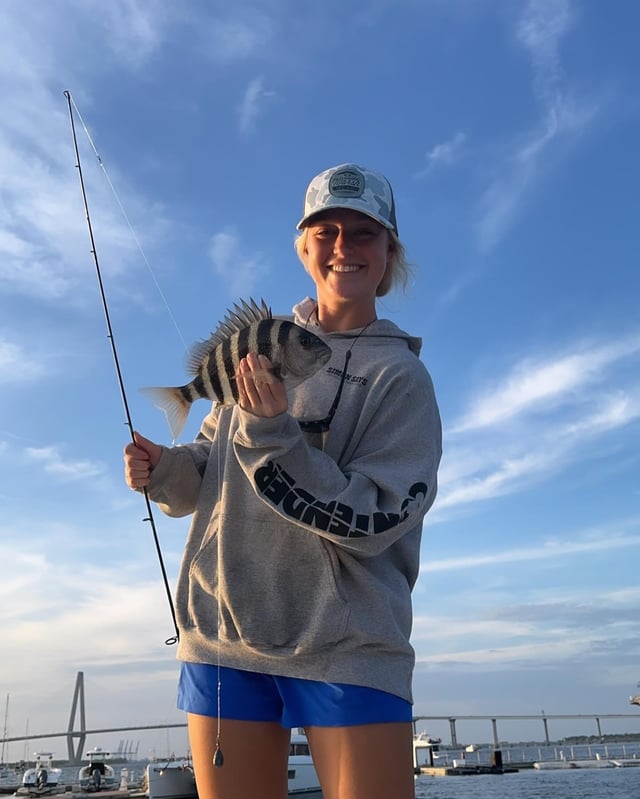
x: 197, y: 388
x: 283, y: 334
x: 214, y: 372
x: 187, y: 392
x: 229, y: 369
x: 263, y: 337
x: 243, y: 343
x: 204, y: 377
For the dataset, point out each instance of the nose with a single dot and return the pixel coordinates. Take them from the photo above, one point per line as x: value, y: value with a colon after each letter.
x: 343, y: 242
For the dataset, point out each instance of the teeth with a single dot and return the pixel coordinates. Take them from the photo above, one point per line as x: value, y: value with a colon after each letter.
x: 344, y: 267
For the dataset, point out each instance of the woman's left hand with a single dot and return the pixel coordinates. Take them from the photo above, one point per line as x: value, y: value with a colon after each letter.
x: 259, y: 391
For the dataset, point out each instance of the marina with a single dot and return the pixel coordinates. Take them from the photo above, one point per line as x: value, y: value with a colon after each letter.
x: 609, y: 783
x: 172, y: 778
x: 168, y: 780
x: 433, y: 758
x: 88, y: 772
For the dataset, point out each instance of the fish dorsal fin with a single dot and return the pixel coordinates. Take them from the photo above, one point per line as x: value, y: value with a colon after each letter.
x: 235, y: 320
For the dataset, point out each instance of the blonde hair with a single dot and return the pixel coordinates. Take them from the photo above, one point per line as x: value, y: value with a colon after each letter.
x: 397, y: 272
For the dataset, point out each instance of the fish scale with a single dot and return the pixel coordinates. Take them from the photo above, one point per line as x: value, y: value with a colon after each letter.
x: 295, y: 354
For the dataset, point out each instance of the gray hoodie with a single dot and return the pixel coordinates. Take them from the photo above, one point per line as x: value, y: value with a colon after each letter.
x: 304, y: 548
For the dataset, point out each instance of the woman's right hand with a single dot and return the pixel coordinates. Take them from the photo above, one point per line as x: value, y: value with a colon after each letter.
x: 140, y: 457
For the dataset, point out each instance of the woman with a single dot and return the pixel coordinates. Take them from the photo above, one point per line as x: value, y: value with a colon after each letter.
x: 293, y: 599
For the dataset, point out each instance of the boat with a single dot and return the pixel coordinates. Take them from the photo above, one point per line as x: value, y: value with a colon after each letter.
x: 10, y: 778
x: 552, y: 765
x: 174, y: 779
x: 425, y: 749
x: 97, y: 774
x: 41, y: 778
x: 587, y: 762
x: 302, y: 773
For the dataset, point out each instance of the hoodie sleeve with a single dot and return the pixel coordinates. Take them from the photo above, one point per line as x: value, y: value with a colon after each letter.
x: 177, y: 478
x: 384, y: 488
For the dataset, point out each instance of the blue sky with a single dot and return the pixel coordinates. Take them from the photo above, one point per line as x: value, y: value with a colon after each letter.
x: 510, y: 133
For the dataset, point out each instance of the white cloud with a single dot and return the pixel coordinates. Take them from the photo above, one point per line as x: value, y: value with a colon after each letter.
x: 16, y: 364
x: 44, y: 242
x: 537, y: 384
x: 246, y: 35
x: 134, y: 29
x: 252, y: 105
x: 111, y: 616
x: 542, y: 416
x: 505, y: 653
x: 444, y: 154
x: 628, y: 535
x: 53, y: 463
x: 240, y: 271
x: 540, y: 30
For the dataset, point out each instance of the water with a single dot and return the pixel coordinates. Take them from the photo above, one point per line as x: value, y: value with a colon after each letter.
x: 608, y: 783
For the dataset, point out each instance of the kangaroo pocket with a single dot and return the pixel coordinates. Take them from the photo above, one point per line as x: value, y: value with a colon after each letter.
x: 277, y: 589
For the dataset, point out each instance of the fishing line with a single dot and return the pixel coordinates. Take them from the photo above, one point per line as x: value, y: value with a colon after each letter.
x: 174, y: 638
x: 126, y: 218
x: 218, y: 757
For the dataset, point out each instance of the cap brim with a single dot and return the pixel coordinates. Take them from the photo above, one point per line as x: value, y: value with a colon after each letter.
x: 304, y: 222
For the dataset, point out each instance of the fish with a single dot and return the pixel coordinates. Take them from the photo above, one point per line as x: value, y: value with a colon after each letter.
x: 295, y: 354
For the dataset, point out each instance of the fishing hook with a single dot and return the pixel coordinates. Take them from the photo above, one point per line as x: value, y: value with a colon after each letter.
x: 174, y: 638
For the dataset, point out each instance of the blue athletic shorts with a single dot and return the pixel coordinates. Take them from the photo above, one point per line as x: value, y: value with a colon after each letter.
x: 250, y: 696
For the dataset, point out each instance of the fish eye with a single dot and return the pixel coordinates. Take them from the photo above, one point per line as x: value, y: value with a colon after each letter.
x: 305, y: 340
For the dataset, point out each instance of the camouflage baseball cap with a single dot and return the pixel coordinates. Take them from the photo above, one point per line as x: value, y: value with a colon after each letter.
x: 351, y: 186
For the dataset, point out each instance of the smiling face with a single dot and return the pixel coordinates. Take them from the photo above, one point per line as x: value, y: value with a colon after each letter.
x: 346, y: 253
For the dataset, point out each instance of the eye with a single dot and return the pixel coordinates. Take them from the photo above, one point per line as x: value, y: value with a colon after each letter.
x: 323, y: 232
x: 305, y: 340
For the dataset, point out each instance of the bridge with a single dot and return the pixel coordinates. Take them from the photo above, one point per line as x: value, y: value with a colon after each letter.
x: 543, y: 717
x: 76, y: 738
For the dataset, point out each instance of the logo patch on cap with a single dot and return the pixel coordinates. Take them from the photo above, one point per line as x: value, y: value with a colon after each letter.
x: 346, y: 183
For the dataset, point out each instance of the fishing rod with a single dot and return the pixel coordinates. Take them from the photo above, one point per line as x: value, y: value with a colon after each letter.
x: 174, y: 638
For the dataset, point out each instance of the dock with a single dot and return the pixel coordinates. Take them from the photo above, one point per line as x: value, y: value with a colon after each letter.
x: 464, y: 771
x: 77, y: 793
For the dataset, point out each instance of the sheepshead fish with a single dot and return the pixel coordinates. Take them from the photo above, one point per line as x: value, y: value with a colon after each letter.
x: 295, y: 353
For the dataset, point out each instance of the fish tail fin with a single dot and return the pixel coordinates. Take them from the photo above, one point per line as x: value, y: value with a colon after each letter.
x: 174, y: 404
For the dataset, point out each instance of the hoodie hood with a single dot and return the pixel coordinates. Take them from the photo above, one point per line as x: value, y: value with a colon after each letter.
x: 305, y: 314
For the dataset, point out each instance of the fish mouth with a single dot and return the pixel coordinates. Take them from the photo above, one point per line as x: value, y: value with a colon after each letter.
x: 324, y: 357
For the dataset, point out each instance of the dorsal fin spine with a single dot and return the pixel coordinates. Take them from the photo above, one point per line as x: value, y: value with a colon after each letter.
x: 243, y: 315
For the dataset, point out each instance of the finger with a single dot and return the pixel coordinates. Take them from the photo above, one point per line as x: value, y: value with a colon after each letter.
x: 152, y: 449
x: 265, y: 367
x: 247, y: 393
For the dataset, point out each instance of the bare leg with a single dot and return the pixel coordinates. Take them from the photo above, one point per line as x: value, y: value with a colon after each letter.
x: 255, y: 758
x: 369, y: 761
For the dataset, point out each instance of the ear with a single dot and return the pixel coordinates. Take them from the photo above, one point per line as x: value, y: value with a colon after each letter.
x: 391, y: 245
